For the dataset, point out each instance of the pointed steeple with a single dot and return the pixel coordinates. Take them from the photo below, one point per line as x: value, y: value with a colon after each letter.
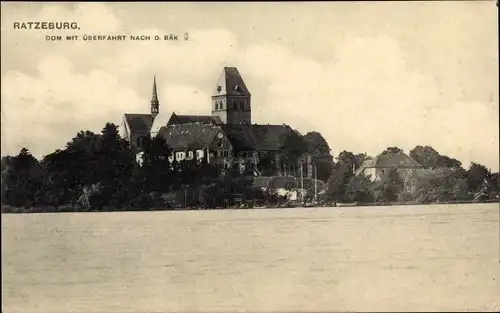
x: 155, y: 104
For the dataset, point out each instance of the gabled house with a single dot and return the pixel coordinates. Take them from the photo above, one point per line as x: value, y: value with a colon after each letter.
x: 136, y: 127
x: 375, y: 168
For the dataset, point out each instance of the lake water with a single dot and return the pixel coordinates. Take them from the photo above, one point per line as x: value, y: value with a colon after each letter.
x: 412, y: 258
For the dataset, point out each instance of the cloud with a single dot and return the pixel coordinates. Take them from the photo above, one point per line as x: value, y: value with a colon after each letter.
x: 45, y: 111
x: 185, y: 100
x: 363, y: 98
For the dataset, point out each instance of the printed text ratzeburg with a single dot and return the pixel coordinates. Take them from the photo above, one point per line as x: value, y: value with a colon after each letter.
x: 45, y: 25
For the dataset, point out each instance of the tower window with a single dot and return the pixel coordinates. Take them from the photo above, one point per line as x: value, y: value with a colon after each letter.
x: 242, y: 105
x: 222, y: 105
x: 216, y: 105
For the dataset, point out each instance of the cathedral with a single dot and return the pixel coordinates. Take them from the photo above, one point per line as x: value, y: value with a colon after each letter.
x: 226, y: 138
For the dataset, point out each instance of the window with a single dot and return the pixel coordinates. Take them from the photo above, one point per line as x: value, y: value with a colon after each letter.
x: 226, y: 153
x: 222, y: 105
x: 216, y: 105
x: 242, y: 106
x: 234, y: 104
x: 190, y: 155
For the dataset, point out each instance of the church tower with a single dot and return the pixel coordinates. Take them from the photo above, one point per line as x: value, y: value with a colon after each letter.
x: 155, y: 104
x: 231, y: 98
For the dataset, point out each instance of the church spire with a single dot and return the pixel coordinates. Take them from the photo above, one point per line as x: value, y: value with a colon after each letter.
x: 155, y: 104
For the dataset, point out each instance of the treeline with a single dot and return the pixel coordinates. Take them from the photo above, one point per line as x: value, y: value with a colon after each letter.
x: 99, y: 172
x: 442, y: 179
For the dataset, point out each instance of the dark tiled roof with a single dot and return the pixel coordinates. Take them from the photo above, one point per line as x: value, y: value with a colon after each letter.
x: 139, y: 123
x: 390, y: 159
x: 398, y: 159
x: 231, y: 83
x: 185, y: 119
x: 256, y: 137
x: 189, y: 136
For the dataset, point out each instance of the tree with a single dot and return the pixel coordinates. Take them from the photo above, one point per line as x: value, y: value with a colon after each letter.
x: 316, y: 144
x: 430, y: 158
x: 90, y: 159
x: 435, y: 185
x: 320, y: 151
x: 21, y: 178
x: 157, y: 172
x: 392, y: 150
x: 389, y: 187
x: 114, y: 166
x: 493, y: 183
x: 6, y: 170
x: 81, y: 155
x: 293, y: 147
x: 360, y: 188
x: 62, y: 172
x: 342, y: 173
x: 350, y: 159
x: 266, y: 164
x: 477, y: 176
x: 337, y: 182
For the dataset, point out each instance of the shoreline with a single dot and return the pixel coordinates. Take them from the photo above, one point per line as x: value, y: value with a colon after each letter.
x: 11, y: 210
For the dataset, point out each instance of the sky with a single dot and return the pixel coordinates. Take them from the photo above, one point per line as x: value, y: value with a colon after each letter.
x: 365, y: 75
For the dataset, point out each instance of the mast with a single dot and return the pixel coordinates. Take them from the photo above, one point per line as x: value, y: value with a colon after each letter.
x: 301, y: 183
x: 315, y: 184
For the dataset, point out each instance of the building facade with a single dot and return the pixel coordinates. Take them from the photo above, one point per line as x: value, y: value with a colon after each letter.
x: 377, y: 167
x: 226, y: 137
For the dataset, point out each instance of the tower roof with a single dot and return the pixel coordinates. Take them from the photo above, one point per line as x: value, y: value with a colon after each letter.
x: 189, y: 136
x: 154, y: 98
x: 230, y: 83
